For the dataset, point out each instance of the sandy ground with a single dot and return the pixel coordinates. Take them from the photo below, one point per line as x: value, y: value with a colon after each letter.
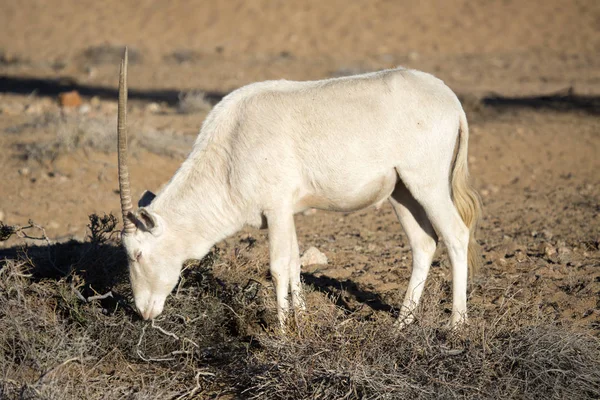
x: 528, y: 72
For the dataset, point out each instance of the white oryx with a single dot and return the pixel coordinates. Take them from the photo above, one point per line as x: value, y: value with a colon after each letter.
x: 271, y: 149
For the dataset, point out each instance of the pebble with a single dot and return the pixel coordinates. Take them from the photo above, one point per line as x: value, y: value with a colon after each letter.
x: 24, y: 171
x: 549, y: 250
x: 84, y: 109
x: 313, y: 256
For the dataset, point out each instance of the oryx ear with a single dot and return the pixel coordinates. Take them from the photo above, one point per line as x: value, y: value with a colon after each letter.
x: 148, y: 220
x: 146, y: 199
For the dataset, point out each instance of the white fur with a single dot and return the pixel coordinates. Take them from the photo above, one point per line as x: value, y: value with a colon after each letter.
x: 271, y: 149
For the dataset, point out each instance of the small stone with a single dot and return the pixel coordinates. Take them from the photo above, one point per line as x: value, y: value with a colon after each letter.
x: 313, y: 256
x: 310, y: 211
x: 70, y: 99
x: 549, y: 250
x: 547, y: 234
x: 24, y: 171
x: 84, y: 109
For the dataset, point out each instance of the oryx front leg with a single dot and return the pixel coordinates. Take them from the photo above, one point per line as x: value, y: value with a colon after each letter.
x: 285, y: 262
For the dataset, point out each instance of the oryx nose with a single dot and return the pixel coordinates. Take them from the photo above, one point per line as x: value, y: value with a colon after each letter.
x: 152, y: 311
x: 147, y: 314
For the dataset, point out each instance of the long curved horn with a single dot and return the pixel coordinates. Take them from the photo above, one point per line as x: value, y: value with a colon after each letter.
x: 124, y: 188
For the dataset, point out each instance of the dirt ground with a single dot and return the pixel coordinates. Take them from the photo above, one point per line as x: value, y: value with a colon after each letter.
x: 527, y: 72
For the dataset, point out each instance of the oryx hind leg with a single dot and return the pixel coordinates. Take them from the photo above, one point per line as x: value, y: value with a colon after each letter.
x: 423, y: 242
x: 432, y: 193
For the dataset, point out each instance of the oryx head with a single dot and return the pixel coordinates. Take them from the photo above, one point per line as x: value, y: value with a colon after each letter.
x: 152, y: 250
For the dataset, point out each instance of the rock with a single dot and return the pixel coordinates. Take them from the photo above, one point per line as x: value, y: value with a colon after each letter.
x: 70, y: 99
x: 313, y: 256
x: 549, y: 250
x: 84, y: 109
x: 310, y: 211
x: 24, y: 171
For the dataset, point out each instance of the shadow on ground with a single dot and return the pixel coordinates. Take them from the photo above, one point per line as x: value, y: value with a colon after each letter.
x: 560, y: 101
x: 52, y: 87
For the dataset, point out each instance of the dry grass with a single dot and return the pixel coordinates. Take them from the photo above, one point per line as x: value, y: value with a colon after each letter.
x: 193, y: 102
x: 71, y: 132
x: 62, y: 335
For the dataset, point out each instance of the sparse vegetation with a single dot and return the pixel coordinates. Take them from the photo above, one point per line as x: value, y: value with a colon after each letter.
x: 70, y: 132
x: 192, y: 102
x: 68, y: 330
x: 183, y: 56
x: 109, y: 54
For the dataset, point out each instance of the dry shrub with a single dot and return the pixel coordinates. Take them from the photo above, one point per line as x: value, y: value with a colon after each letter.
x: 193, y: 102
x: 62, y: 336
x: 331, y: 355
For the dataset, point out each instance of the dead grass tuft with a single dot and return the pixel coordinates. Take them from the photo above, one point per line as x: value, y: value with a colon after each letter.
x: 68, y: 330
x: 193, y: 102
